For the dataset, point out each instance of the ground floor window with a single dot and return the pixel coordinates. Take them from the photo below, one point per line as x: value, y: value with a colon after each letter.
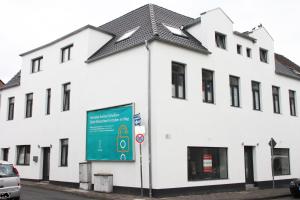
x: 281, y: 162
x: 4, y: 153
x: 64, y: 146
x: 23, y: 155
x: 207, y: 163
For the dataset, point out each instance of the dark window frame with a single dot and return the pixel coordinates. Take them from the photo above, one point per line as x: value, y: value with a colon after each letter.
x: 232, y: 91
x: 176, y: 77
x: 249, y: 52
x: 26, y: 152
x: 292, y: 101
x: 29, y: 105
x: 264, y: 55
x: 274, y: 153
x: 36, y: 62
x: 64, y: 148
x: 205, y: 85
x: 239, y: 49
x: 66, y: 96
x: 48, y: 101
x: 276, y: 99
x: 64, y: 50
x: 221, y: 40
x: 205, y: 147
x: 5, y: 153
x: 254, y: 92
x: 11, y: 108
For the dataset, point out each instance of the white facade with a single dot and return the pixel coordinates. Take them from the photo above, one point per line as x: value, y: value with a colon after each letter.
x: 176, y: 123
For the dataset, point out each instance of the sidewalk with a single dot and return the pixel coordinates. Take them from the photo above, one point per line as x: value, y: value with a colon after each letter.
x: 243, y: 195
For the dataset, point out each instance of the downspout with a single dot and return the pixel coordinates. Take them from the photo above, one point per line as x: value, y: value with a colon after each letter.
x: 149, y: 118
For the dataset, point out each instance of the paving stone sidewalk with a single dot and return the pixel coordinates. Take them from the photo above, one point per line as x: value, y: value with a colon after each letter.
x: 242, y: 195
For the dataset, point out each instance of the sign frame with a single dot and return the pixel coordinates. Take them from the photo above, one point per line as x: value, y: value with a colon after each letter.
x: 132, y: 138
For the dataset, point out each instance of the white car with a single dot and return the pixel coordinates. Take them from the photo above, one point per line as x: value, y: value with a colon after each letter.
x: 10, y: 186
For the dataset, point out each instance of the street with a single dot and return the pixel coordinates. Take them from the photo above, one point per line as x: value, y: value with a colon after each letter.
x: 33, y: 193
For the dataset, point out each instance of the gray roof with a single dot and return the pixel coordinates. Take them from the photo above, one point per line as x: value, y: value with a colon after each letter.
x: 15, y: 81
x: 286, y: 67
x: 150, y: 18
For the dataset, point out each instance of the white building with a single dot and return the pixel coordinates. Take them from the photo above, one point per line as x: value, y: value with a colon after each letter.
x: 216, y: 98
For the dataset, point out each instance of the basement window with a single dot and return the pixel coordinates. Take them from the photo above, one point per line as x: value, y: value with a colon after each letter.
x: 128, y: 34
x: 175, y: 31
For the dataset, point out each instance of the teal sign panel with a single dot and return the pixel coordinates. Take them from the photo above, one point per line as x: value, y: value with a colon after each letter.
x: 109, y: 135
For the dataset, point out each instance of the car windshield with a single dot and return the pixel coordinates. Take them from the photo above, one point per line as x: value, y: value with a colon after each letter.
x: 6, y: 171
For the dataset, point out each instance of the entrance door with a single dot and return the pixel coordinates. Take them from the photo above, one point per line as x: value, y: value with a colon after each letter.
x: 249, y: 164
x: 46, y: 163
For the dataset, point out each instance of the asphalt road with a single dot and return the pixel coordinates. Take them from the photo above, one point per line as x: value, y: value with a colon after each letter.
x: 32, y: 193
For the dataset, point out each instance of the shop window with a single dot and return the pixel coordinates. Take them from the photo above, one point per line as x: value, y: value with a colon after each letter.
x: 178, y: 80
x: 23, y: 155
x: 207, y: 163
x: 208, y: 86
x: 281, y: 161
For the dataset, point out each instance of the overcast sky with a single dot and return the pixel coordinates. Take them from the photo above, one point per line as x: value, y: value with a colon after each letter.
x: 27, y: 24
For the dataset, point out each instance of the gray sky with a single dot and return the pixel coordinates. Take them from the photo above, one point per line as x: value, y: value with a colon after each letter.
x: 27, y: 24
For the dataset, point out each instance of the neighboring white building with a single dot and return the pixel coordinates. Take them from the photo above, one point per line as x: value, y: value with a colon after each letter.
x: 217, y: 97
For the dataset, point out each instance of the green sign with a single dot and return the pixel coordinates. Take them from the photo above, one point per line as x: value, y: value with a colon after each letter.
x: 109, y: 135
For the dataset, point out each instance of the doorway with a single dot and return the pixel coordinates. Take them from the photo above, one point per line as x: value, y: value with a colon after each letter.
x: 249, y: 174
x: 46, y: 163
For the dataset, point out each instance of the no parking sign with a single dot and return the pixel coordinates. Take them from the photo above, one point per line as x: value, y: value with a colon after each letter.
x: 140, y: 138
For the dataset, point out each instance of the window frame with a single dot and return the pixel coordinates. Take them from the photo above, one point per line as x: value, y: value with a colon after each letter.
x: 232, y: 87
x: 253, y: 95
x: 204, y: 88
x: 288, y: 151
x: 66, y: 97
x: 239, y: 49
x: 223, y: 38
x: 292, y: 102
x: 27, y: 150
x: 11, y: 108
x: 62, y: 147
x: 48, y: 101
x: 66, y: 49
x: 5, y: 154
x: 38, y: 62
x: 249, y: 52
x: 29, y: 105
x: 274, y: 99
x: 176, y: 78
x: 261, y: 52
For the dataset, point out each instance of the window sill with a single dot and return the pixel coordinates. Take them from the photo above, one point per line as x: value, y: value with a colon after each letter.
x: 22, y: 165
x: 179, y: 98
x: 235, y: 106
x: 212, y: 103
x: 63, y: 166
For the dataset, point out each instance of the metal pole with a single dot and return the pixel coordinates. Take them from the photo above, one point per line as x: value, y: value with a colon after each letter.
x: 149, y: 119
x: 141, y: 167
x: 272, y: 164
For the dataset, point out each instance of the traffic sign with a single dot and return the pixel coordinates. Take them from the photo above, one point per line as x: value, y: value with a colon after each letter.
x: 137, y: 119
x: 139, y: 138
x: 272, y: 143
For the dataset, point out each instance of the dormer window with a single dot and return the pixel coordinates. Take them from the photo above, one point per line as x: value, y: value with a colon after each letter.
x: 128, y: 34
x: 66, y: 53
x: 175, y: 31
x: 263, y: 53
x: 36, y: 64
x: 220, y: 40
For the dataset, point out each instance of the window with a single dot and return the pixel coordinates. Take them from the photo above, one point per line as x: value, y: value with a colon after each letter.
x: 48, y: 101
x: 36, y: 64
x: 208, y: 86
x: 128, y: 34
x: 292, y: 102
x: 66, y: 96
x: 23, y: 155
x: 175, y: 31
x: 207, y: 163
x: 66, y: 53
x: 178, y: 80
x: 263, y: 55
x: 220, y: 40
x: 239, y: 49
x: 281, y: 161
x: 234, y: 91
x: 29, y: 103
x: 276, y: 103
x: 11, y: 107
x: 64, y: 146
x: 5, y: 154
x: 248, y: 50
x: 256, y: 95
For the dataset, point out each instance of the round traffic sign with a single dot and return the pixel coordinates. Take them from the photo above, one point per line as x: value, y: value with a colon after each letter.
x: 139, y: 138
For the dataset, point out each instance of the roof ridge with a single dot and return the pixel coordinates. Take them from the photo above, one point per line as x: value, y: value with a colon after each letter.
x: 152, y: 19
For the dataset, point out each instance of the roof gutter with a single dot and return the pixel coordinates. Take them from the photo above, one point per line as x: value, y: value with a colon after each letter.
x: 149, y: 117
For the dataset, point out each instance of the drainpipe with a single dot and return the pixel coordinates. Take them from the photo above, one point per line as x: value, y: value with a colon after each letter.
x: 149, y: 118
